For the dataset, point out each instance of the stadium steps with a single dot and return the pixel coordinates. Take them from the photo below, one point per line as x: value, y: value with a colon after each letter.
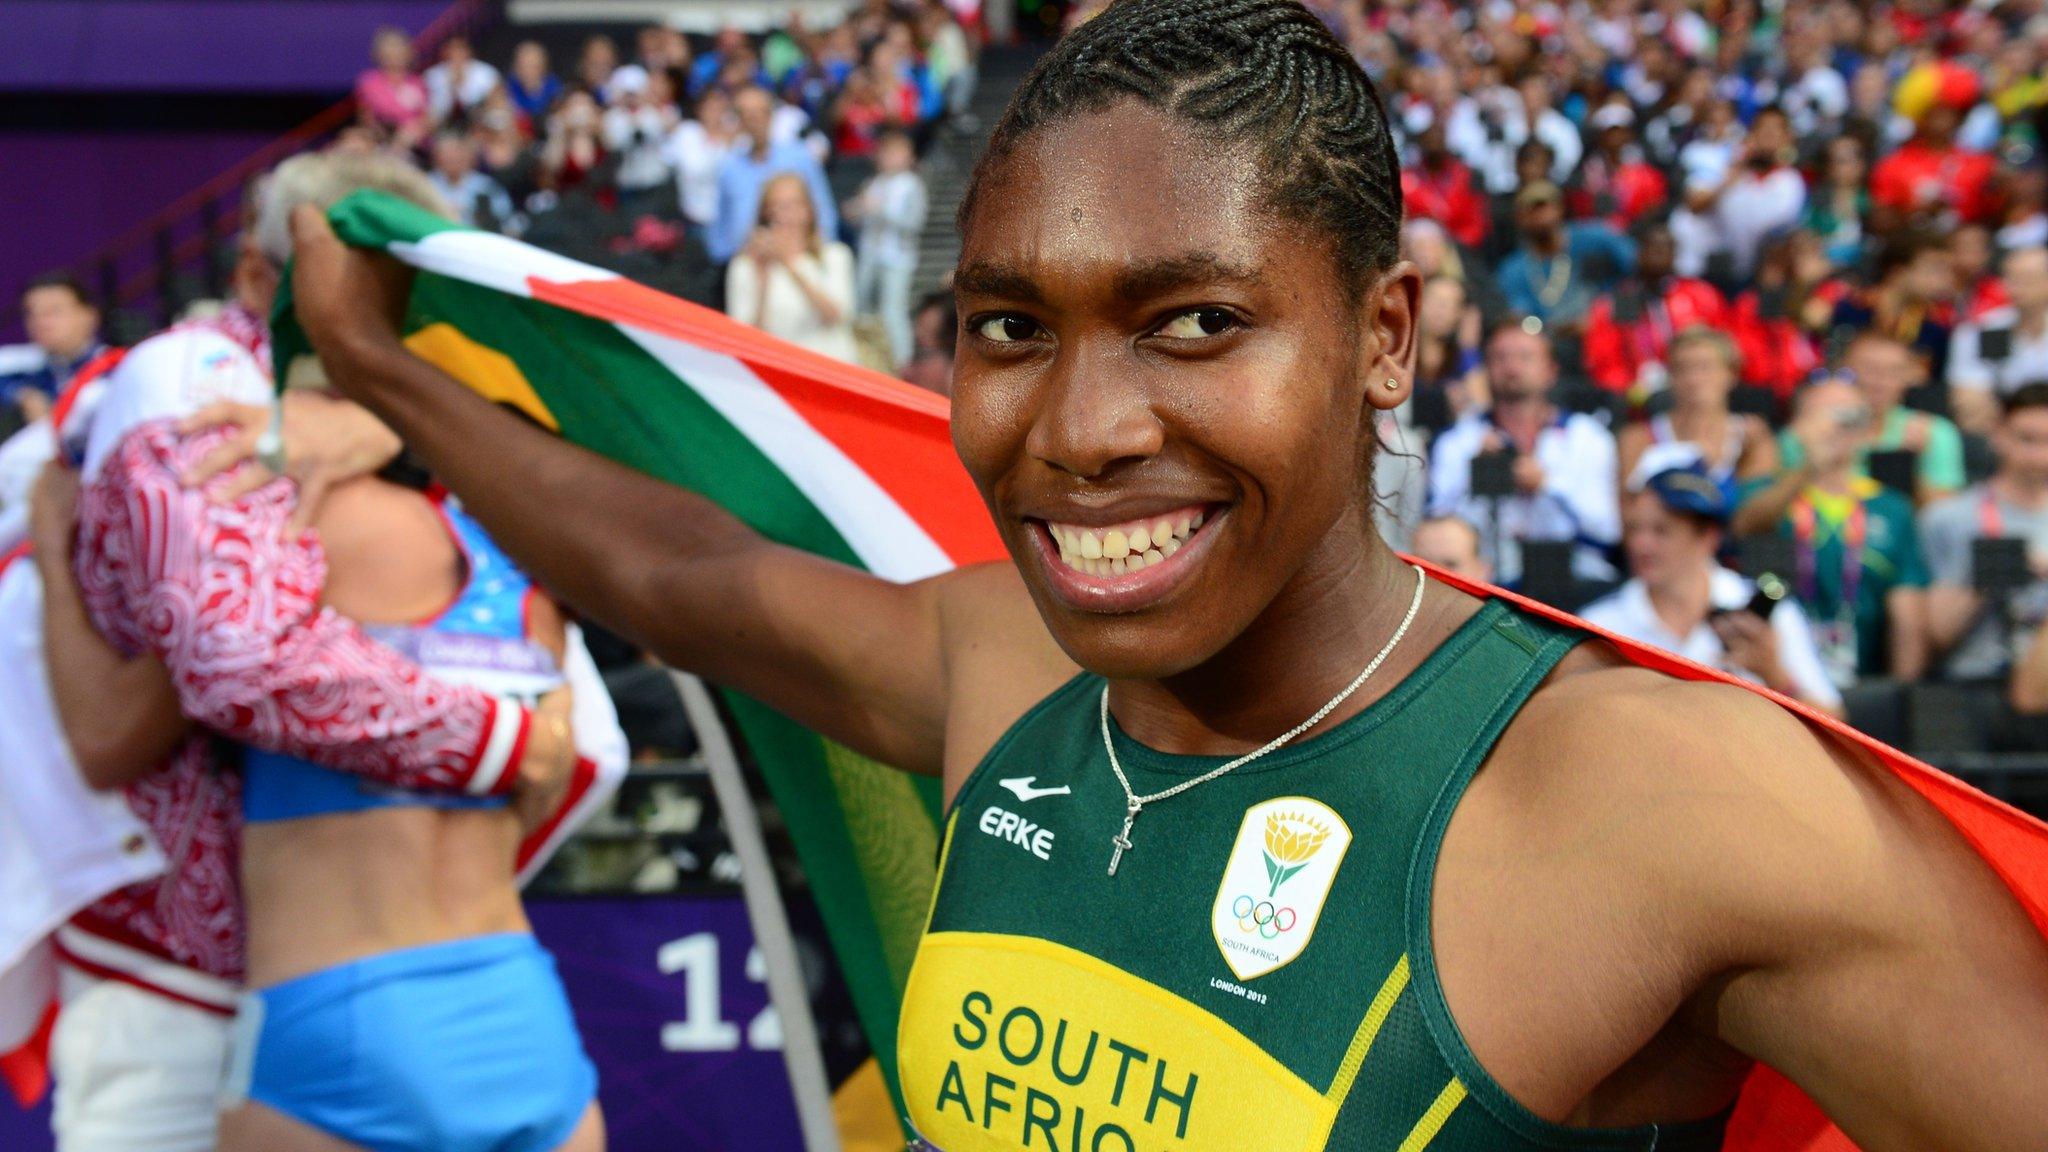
x: 950, y: 161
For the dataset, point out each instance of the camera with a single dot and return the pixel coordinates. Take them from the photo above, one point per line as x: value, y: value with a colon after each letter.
x: 1493, y: 473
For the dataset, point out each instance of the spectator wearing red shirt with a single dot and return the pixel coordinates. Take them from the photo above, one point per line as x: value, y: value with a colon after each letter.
x: 1440, y: 188
x: 1930, y: 176
x: 1629, y: 330
x: 895, y: 71
x: 859, y: 116
x: 1614, y: 183
x: 1776, y: 350
x: 390, y: 97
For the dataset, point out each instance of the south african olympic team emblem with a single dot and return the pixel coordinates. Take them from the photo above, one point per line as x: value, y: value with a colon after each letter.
x: 1279, y: 873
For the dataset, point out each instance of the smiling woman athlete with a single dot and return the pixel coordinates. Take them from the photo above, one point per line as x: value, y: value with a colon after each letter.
x: 1509, y: 894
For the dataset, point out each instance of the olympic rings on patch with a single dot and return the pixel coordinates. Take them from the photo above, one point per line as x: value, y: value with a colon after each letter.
x: 1263, y: 917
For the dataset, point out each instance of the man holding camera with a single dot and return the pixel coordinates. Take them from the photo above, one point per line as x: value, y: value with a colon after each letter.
x: 1987, y: 551
x: 1680, y: 599
x: 2005, y: 350
x: 1523, y: 469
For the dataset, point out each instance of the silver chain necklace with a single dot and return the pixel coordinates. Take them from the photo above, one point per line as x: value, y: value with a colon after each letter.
x: 1134, y: 803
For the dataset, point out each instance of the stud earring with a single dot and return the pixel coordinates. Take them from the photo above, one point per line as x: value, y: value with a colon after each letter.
x: 1393, y: 385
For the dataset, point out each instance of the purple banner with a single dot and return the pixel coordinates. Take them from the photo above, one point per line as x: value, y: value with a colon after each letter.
x: 673, y: 1009
x: 65, y: 195
x: 670, y: 1000
x: 195, y: 45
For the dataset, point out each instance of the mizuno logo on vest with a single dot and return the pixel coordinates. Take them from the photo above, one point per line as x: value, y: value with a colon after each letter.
x: 1017, y: 830
x: 1020, y: 787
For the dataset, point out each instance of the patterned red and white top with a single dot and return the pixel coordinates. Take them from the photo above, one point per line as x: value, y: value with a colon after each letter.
x: 231, y: 604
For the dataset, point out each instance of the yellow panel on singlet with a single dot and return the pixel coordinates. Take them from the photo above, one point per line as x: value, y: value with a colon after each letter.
x: 1049, y: 1044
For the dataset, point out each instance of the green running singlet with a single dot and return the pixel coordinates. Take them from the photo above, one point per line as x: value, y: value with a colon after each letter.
x: 1257, y: 976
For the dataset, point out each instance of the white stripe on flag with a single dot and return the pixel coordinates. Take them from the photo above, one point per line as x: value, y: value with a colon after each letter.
x: 889, y: 543
x: 493, y: 261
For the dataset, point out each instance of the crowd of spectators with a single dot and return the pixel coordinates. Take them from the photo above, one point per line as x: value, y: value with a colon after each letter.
x: 1734, y: 324
x: 776, y: 176
x: 1734, y: 317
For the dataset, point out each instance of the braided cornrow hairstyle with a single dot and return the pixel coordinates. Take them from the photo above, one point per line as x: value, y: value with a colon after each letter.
x: 1262, y: 74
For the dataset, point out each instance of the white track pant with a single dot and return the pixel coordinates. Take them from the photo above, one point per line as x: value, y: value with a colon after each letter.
x: 135, y: 1072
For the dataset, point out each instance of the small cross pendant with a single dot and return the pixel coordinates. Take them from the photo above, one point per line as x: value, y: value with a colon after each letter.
x: 1122, y: 840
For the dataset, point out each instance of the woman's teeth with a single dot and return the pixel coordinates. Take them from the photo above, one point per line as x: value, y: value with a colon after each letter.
x: 1125, y: 547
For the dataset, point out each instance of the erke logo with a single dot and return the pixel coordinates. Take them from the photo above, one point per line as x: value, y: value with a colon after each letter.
x: 1017, y: 830
x: 1020, y: 787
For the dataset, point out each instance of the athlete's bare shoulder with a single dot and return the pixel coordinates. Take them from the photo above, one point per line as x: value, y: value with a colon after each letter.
x: 1720, y: 787
x: 1815, y: 904
x: 1000, y: 659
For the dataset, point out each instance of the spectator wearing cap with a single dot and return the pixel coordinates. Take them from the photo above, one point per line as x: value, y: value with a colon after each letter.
x: 1858, y: 571
x: 2007, y: 349
x: 1563, y: 464
x: 390, y: 97
x: 1699, y: 430
x: 1680, y: 599
x: 1629, y: 331
x: 1614, y: 183
x: 1559, y: 268
x: 747, y: 170
x: 1452, y: 544
x: 1440, y: 187
x: 63, y: 327
x: 1963, y: 629
x: 459, y: 84
x: 532, y: 87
